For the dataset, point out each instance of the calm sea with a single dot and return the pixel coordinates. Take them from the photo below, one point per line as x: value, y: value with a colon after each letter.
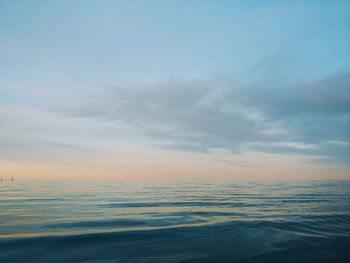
x: 180, y: 221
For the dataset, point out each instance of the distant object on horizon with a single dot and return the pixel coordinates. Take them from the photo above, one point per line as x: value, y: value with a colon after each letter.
x: 3, y: 179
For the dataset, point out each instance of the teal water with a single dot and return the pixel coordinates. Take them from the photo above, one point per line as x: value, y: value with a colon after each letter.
x: 178, y: 221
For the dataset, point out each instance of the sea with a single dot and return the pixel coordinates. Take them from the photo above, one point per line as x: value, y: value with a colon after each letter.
x: 174, y: 221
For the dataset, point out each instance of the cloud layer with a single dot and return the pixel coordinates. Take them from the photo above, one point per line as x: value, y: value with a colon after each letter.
x: 303, y: 118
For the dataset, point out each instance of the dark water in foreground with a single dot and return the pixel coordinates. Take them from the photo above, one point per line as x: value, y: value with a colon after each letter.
x: 192, y: 221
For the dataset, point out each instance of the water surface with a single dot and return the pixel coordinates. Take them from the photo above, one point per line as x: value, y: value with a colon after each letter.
x: 178, y: 221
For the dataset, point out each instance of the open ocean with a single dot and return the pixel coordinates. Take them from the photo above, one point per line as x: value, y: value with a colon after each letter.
x: 178, y: 221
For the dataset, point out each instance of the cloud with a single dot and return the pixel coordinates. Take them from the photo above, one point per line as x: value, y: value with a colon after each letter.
x: 240, y: 163
x: 292, y: 118
x: 325, y: 96
x: 194, y: 117
x: 30, y: 133
x: 31, y: 148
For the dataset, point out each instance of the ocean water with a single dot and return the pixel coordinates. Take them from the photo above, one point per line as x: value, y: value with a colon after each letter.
x: 174, y: 221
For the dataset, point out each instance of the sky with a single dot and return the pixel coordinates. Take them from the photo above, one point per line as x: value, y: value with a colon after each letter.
x: 195, y: 89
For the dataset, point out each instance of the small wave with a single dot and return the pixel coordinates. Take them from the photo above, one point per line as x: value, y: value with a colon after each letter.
x: 172, y: 204
x: 226, y: 242
x: 16, y: 200
x: 100, y: 223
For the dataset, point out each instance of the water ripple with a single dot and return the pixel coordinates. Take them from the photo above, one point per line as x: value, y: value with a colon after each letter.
x: 208, y: 221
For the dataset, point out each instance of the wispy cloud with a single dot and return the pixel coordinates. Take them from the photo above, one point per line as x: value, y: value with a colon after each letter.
x: 239, y: 163
x: 297, y: 118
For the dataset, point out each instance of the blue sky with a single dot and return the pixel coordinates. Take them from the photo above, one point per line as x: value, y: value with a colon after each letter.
x: 243, y: 82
